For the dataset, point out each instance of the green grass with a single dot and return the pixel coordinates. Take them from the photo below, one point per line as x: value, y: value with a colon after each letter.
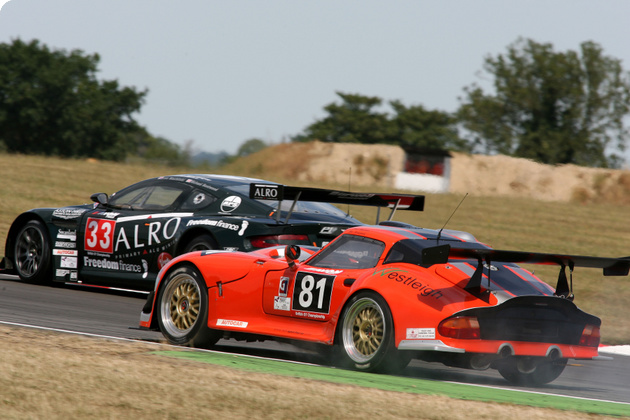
x: 403, y: 384
x: 598, y: 229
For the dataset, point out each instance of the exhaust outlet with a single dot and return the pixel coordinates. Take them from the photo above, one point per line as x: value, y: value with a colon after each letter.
x: 506, y: 350
x: 481, y: 361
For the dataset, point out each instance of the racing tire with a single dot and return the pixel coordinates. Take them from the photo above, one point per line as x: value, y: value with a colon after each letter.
x: 200, y: 243
x: 365, y: 336
x: 31, y: 253
x: 183, y: 309
x: 544, y: 372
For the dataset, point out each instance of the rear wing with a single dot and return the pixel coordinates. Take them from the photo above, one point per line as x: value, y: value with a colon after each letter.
x: 277, y: 192
x: 564, y: 288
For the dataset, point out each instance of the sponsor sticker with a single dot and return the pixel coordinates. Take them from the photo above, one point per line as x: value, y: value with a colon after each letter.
x: 282, y: 303
x: 70, y: 245
x: 199, y: 199
x: 68, y: 262
x: 328, y: 230
x: 404, y: 278
x: 163, y: 259
x: 69, y: 235
x: 283, y: 288
x: 215, y: 223
x: 266, y: 191
x: 68, y: 213
x: 110, y: 236
x: 420, y: 333
x: 230, y: 204
x: 310, y: 315
x: 231, y: 323
x: 243, y: 227
x: 66, y: 274
x: 67, y: 252
x: 119, y: 265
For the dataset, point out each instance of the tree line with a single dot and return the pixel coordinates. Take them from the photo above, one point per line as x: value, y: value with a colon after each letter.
x: 51, y: 103
x: 550, y: 106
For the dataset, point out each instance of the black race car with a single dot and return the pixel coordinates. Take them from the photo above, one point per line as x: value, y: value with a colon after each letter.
x: 124, y: 240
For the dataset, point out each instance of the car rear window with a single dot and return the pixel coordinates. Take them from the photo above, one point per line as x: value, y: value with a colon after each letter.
x: 305, y: 207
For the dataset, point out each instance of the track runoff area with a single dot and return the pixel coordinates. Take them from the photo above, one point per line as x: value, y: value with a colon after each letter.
x: 455, y: 390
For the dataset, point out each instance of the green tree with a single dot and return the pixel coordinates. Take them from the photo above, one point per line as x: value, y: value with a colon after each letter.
x: 353, y: 121
x: 418, y: 127
x: 159, y: 149
x: 552, y: 107
x: 52, y: 104
x: 250, y: 146
x: 356, y: 120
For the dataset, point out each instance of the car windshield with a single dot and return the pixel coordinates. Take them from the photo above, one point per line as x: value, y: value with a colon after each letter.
x: 349, y: 252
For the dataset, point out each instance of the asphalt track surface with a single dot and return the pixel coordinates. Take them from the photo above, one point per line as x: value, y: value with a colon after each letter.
x: 116, y: 314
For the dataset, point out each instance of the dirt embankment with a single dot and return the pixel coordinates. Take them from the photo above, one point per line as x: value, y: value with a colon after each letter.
x: 480, y: 175
x: 508, y: 176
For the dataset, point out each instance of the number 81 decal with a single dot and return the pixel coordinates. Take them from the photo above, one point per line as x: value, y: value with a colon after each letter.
x: 312, y: 292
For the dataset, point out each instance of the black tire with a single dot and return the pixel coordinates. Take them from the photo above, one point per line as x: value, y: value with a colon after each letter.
x: 182, y: 309
x: 365, y: 336
x: 200, y: 243
x: 544, y: 372
x: 32, y: 254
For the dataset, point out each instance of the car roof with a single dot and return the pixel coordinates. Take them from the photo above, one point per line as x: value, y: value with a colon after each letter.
x: 394, y: 234
x: 213, y: 179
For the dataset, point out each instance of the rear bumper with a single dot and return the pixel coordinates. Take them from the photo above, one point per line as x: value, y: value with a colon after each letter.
x: 503, y: 348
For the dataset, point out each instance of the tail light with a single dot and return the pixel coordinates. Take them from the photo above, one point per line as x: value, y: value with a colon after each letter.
x: 463, y: 327
x: 590, y: 336
x: 275, y: 240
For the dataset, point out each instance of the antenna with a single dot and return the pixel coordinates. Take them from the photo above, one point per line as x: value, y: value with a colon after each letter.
x: 449, y: 219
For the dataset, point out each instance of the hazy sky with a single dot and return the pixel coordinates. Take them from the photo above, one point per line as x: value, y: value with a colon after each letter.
x: 222, y: 72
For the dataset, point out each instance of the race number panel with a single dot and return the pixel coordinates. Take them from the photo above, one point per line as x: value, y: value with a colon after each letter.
x: 99, y: 235
x: 312, y: 292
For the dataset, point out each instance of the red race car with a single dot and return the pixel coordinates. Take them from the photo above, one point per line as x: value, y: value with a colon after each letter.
x: 379, y: 296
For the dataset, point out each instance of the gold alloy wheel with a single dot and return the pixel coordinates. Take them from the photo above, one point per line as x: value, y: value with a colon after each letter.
x: 363, y: 330
x: 180, y: 305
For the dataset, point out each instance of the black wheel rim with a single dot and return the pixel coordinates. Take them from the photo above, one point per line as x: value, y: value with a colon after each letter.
x: 29, y: 251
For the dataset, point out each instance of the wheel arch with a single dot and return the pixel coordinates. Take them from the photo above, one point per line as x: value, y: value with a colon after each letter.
x: 398, y: 316
x: 357, y: 349
x: 17, y: 224
x: 187, y: 324
x: 191, y: 234
x: 342, y: 308
x: 160, y: 285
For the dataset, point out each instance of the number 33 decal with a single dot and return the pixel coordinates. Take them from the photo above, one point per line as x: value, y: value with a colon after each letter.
x: 312, y: 292
x: 99, y: 235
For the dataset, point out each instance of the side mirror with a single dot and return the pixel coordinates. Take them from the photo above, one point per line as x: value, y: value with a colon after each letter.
x: 292, y: 253
x: 100, y: 198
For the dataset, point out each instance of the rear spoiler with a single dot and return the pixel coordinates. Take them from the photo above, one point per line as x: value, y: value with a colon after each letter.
x: 261, y: 191
x: 485, y: 256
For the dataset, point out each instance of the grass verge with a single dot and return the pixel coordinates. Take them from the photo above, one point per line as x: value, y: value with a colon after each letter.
x: 60, y: 376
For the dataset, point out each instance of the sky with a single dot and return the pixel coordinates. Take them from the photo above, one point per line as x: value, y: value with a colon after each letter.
x: 222, y: 72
